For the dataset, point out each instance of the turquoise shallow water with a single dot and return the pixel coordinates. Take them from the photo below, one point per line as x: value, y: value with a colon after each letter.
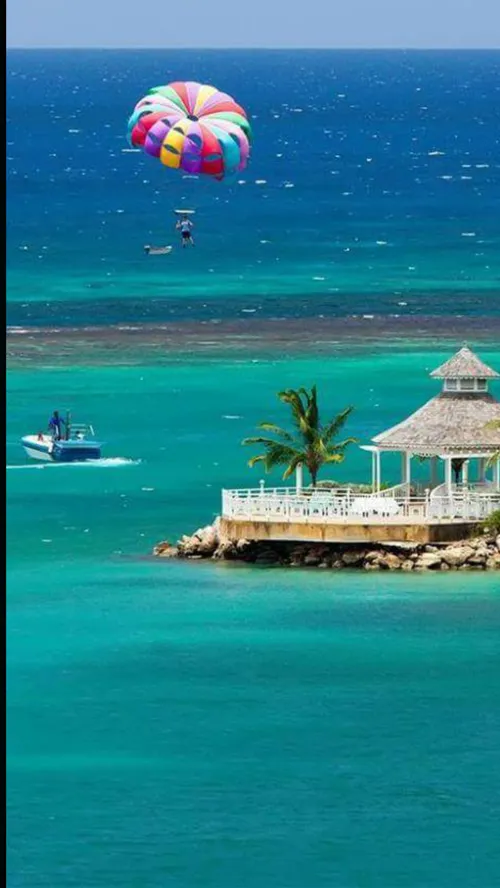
x: 192, y: 725
x: 199, y: 724
x: 173, y: 438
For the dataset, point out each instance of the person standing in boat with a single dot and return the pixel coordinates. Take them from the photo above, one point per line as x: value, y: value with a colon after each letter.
x: 55, y: 424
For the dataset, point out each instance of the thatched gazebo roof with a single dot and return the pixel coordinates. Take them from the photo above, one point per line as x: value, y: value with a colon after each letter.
x: 464, y: 365
x: 452, y: 422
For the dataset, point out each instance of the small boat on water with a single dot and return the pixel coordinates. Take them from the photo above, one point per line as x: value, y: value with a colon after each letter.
x: 76, y: 444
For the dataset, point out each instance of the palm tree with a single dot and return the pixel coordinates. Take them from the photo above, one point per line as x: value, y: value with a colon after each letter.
x: 311, y: 445
x: 493, y: 426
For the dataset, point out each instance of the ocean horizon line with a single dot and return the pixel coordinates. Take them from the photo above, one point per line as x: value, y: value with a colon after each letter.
x: 277, y: 49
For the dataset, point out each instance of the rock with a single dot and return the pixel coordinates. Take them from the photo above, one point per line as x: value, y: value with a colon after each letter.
x: 455, y: 556
x: 204, y: 542
x: 299, y: 552
x: 188, y: 549
x: 428, y: 561
x: 479, y: 560
x: 266, y: 559
x: 401, y: 546
x: 390, y: 561
x: 352, y: 558
x: 241, y: 545
x: 312, y: 560
x: 207, y: 542
x: 164, y: 544
x: 482, y: 551
x: 166, y: 550
x: 224, y: 551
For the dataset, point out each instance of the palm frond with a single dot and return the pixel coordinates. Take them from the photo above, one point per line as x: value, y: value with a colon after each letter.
x: 276, y: 455
x: 257, y: 440
x: 276, y: 430
x: 339, y: 445
x: 294, y: 401
x: 256, y: 459
x: 492, y: 426
x: 294, y: 463
x: 336, y: 424
x: 311, y: 412
x: 333, y: 458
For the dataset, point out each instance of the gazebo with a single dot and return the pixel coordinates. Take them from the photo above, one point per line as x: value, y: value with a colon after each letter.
x: 456, y: 429
x: 457, y: 433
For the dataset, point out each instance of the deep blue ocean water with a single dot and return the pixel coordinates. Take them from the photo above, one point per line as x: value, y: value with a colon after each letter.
x: 372, y: 175
x: 212, y: 725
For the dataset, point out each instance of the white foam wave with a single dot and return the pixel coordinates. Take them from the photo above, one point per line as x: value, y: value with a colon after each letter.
x: 109, y: 463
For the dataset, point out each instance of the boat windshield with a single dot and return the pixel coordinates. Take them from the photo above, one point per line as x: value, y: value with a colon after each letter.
x: 79, y: 431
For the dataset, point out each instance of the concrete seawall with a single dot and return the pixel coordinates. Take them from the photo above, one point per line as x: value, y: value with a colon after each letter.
x: 345, y: 532
x: 227, y: 541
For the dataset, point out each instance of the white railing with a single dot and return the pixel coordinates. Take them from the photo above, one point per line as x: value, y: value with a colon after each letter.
x: 399, y: 490
x: 254, y: 492
x: 340, y: 504
x: 480, y: 487
x: 463, y: 506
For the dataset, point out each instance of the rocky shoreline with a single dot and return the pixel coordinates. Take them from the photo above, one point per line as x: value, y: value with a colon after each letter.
x: 479, y: 553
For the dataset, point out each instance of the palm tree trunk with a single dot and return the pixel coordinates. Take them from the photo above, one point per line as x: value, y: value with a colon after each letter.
x: 314, y: 475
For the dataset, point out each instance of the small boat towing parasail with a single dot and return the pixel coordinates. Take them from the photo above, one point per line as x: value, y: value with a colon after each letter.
x: 76, y: 444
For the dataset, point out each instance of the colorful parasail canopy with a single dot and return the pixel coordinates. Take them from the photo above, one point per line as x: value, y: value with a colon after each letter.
x: 192, y: 127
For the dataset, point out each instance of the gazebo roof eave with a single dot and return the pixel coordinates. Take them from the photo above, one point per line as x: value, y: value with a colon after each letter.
x: 459, y: 451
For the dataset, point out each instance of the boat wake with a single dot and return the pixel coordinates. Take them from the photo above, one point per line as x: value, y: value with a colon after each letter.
x: 110, y: 463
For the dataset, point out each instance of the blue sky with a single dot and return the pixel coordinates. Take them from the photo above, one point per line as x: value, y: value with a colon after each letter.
x: 254, y: 23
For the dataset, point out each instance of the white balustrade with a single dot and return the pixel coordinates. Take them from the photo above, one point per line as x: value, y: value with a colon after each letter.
x: 339, y: 504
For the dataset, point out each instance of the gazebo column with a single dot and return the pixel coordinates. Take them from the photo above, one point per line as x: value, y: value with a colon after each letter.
x: 496, y: 473
x: 434, y: 472
x: 377, y: 471
x: 448, y: 474
x: 465, y: 472
x: 406, y: 467
x: 299, y: 479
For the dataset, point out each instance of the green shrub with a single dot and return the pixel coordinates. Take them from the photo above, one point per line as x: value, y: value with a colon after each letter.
x: 355, y: 487
x: 492, y: 522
